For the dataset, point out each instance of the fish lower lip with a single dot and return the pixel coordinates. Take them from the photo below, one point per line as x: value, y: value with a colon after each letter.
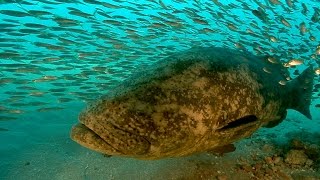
x: 88, y: 138
x: 120, y: 141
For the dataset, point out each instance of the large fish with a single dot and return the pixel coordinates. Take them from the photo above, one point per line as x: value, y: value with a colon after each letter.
x: 199, y: 100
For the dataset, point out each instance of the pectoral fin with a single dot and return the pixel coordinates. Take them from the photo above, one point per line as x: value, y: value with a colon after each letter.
x: 221, y: 150
x: 274, y: 123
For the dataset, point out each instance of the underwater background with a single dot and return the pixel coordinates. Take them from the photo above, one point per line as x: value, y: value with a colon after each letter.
x: 58, y: 55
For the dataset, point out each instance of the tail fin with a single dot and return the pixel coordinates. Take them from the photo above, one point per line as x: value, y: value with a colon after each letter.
x: 301, y: 92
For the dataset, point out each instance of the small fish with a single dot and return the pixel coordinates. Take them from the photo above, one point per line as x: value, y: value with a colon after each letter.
x: 275, y: 2
x: 35, y: 103
x: 293, y: 62
x: 45, y: 79
x: 273, y: 60
x: 304, y: 9
x: 289, y: 3
x: 35, y: 25
x: 239, y: 46
x: 163, y: 5
x: 45, y: 109
x: 63, y: 100
x: 64, y: 22
x: 273, y: 39
x: 37, y: 93
x: 14, y: 13
x: 317, y: 71
x: 232, y: 27
x: 27, y: 88
x: 15, y: 111
x: 318, y: 50
x: 58, y: 94
x: 77, y: 12
x: 38, y: 13
x: 111, y: 6
x: 200, y: 21
x: 283, y: 82
x: 3, y: 129
x: 58, y: 90
x: 266, y: 70
x: 48, y: 46
x: 6, y: 81
x: 217, y: 3
x: 285, y: 22
x: 259, y: 13
x: 302, y: 28
x: 312, y: 38
x: 315, y: 17
x: 94, y: 2
x: 7, y: 118
x: 8, y: 55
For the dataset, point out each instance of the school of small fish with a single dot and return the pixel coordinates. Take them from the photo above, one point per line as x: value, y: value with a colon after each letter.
x: 57, y: 52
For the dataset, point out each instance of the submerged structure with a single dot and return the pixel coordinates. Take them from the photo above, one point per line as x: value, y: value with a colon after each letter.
x: 193, y: 101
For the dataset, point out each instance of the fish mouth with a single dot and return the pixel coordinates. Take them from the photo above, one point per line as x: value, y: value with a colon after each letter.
x: 89, y: 139
x: 104, y: 136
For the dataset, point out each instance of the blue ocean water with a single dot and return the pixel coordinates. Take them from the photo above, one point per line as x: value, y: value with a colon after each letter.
x: 56, y: 56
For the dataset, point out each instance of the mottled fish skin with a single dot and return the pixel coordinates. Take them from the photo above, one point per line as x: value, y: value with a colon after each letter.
x: 188, y: 103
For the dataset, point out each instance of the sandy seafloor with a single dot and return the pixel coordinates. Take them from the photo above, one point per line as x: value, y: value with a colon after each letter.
x: 37, y: 146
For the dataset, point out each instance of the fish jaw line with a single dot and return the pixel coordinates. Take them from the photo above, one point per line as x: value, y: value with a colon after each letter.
x: 88, y: 138
x: 87, y: 121
x: 127, y: 143
x: 85, y: 127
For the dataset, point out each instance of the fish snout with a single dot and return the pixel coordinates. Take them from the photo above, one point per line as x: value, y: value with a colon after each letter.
x: 87, y: 138
x: 116, y: 140
x: 128, y: 143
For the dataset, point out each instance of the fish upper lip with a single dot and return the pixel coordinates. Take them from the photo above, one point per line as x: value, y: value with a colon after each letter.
x: 96, y: 133
x: 89, y: 129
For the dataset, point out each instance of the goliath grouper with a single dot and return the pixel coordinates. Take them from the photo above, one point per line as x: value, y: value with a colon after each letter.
x: 199, y: 100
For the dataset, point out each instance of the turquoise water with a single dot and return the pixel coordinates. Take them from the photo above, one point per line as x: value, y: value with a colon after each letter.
x: 56, y: 56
